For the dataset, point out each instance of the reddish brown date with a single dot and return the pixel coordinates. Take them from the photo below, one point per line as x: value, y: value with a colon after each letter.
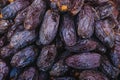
x: 49, y: 27
x: 92, y: 75
x: 68, y: 33
x: 46, y: 57
x: 73, y: 6
x: 85, y: 23
x: 84, y: 61
x: 24, y: 57
x: 35, y: 14
x: 104, y: 32
x: 12, y: 9
x: 29, y: 74
x: 22, y: 39
x: 4, y: 70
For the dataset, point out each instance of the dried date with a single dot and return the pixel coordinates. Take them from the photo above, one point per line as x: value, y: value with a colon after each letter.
x: 84, y: 61
x: 68, y: 33
x: 22, y: 39
x: 46, y: 57
x: 30, y: 74
x: 85, y: 22
x: 92, y: 75
x: 34, y: 14
x: 24, y: 57
x: 104, y: 32
x: 10, y: 11
x: 49, y: 27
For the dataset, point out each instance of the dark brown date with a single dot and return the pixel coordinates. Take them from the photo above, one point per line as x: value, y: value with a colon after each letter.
x: 4, y: 70
x: 85, y: 22
x: 46, y: 57
x: 84, y: 61
x: 12, y: 9
x: 24, y: 57
x: 104, y: 32
x: 35, y: 14
x: 108, y: 69
x: 49, y: 27
x: 29, y: 74
x: 92, y: 75
x: 22, y: 39
x: 68, y: 32
x: 73, y: 6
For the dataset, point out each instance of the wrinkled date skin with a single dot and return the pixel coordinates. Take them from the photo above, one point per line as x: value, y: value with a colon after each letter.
x: 92, y: 75
x: 20, y: 18
x: 59, y: 68
x: 72, y: 6
x: 35, y: 14
x: 46, y: 57
x: 24, y: 57
x: 106, y: 10
x: 7, y: 51
x: 86, y: 45
x: 104, y: 33
x: 49, y: 27
x: 109, y: 69
x: 14, y: 29
x: 86, y: 19
x: 22, y: 39
x: 84, y: 61
x: 4, y: 70
x: 4, y: 25
x: 115, y: 54
x: 12, y: 9
x: 68, y: 33
x: 29, y: 74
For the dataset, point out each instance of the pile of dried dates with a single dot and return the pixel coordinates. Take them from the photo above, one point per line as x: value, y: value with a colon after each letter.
x: 59, y: 39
